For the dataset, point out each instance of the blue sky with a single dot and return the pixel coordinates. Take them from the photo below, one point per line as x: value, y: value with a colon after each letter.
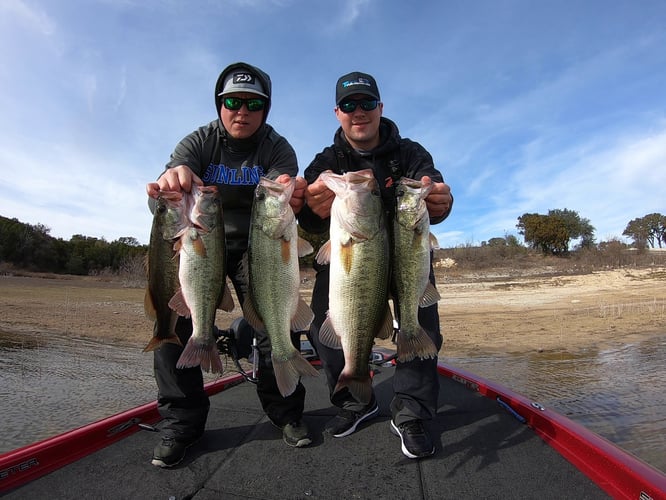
x: 525, y: 105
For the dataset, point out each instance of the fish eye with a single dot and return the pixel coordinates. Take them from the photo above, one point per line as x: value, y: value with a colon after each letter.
x: 261, y: 195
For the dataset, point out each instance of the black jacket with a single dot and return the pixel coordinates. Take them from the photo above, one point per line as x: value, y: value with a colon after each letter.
x: 395, y: 157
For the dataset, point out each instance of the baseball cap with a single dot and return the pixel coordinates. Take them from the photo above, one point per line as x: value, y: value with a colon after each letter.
x: 242, y: 80
x: 356, y: 83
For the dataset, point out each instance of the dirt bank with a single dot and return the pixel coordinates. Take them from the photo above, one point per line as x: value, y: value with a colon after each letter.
x: 480, y: 313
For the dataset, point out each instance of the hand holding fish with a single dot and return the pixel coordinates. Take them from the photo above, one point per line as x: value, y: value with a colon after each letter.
x: 319, y: 198
x: 297, y: 199
x: 179, y: 178
x: 439, y: 200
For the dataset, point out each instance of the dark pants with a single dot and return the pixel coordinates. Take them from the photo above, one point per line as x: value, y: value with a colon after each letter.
x: 182, y: 401
x: 415, y: 383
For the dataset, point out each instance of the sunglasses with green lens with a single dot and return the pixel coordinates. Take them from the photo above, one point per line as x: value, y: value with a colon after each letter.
x: 252, y: 104
x: 350, y: 106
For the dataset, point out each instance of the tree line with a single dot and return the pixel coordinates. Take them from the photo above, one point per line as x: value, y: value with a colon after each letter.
x: 30, y: 247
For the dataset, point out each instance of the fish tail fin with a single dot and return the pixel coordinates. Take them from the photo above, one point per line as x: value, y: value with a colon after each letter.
x: 196, y: 354
x: 359, y: 387
x: 157, y: 342
x: 418, y: 345
x: 288, y: 372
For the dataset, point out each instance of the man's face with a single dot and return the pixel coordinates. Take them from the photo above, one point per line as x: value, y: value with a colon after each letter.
x: 360, y: 126
x: 242, y: 123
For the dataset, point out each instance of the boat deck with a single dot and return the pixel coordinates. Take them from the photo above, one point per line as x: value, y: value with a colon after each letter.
x: 482, y: 451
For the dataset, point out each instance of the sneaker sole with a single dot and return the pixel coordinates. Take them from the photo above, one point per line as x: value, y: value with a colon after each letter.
x: 405, y: 451
x: 160, y: 463
x: 300, y: 443
x: 371, y: 414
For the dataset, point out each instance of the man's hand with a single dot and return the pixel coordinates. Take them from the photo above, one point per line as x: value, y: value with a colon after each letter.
x: 319, y: 198
x: 439, y: 199
x: 178, y: 178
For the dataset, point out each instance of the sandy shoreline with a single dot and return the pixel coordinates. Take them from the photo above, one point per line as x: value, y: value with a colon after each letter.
x: 480, y: 313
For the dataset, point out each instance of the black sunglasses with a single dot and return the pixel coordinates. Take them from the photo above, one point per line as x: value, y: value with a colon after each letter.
x: 366, y: 105
x: 252, y: 104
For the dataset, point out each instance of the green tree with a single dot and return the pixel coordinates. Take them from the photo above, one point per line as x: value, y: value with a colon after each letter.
x: 576, y: 226
x: 547, y: 233
x: 649, y: 230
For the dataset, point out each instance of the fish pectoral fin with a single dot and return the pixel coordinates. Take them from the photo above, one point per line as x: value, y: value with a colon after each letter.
x: 328, y: 337
x: 178, y: 304
x: 347, y: 256
x: 386, y: 331
x: 251, y: 316
x: 199, y: 246
x: 227, y: 301
x: 430, y: 296
x: 304, y: 247
x: 303, y: 317
x: 285, y: 251
x: 324, y: 253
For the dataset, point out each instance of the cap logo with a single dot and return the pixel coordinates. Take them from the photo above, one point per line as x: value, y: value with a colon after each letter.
x: 243, y: 78
x: 359, y: 81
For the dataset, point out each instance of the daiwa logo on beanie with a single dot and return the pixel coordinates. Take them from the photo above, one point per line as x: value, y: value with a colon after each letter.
x: 242, y: 81
x: 356, y: 83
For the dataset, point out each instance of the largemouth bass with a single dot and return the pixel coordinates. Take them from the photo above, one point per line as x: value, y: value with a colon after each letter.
x: 202, y: 277
x: 359, y: 277
x: 169, y: 220
x: 413, y: 243
x: 273, y: 303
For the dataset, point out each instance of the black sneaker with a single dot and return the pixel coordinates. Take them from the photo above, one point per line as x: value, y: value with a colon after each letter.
x: 170, y: 452
x: 346, y: 422
x: 416, y: 442
x: 296, y: 434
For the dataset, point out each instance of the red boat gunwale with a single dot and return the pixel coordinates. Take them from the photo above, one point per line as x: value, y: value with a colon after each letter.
x: 20, y: 466
x: 617, y: 472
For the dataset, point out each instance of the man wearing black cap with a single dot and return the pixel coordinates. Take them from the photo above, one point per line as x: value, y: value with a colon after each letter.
x: 365, y: 140
x: 232, y: 152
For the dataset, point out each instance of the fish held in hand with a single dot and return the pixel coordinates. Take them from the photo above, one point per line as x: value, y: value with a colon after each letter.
x: 202, y: 277
x: 413, y: 244
x: 273, y: 303
x: 169, y: 220
x: 359, y: 277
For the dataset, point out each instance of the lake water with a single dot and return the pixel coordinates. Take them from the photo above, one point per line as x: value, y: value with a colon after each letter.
x: 51, y: 384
